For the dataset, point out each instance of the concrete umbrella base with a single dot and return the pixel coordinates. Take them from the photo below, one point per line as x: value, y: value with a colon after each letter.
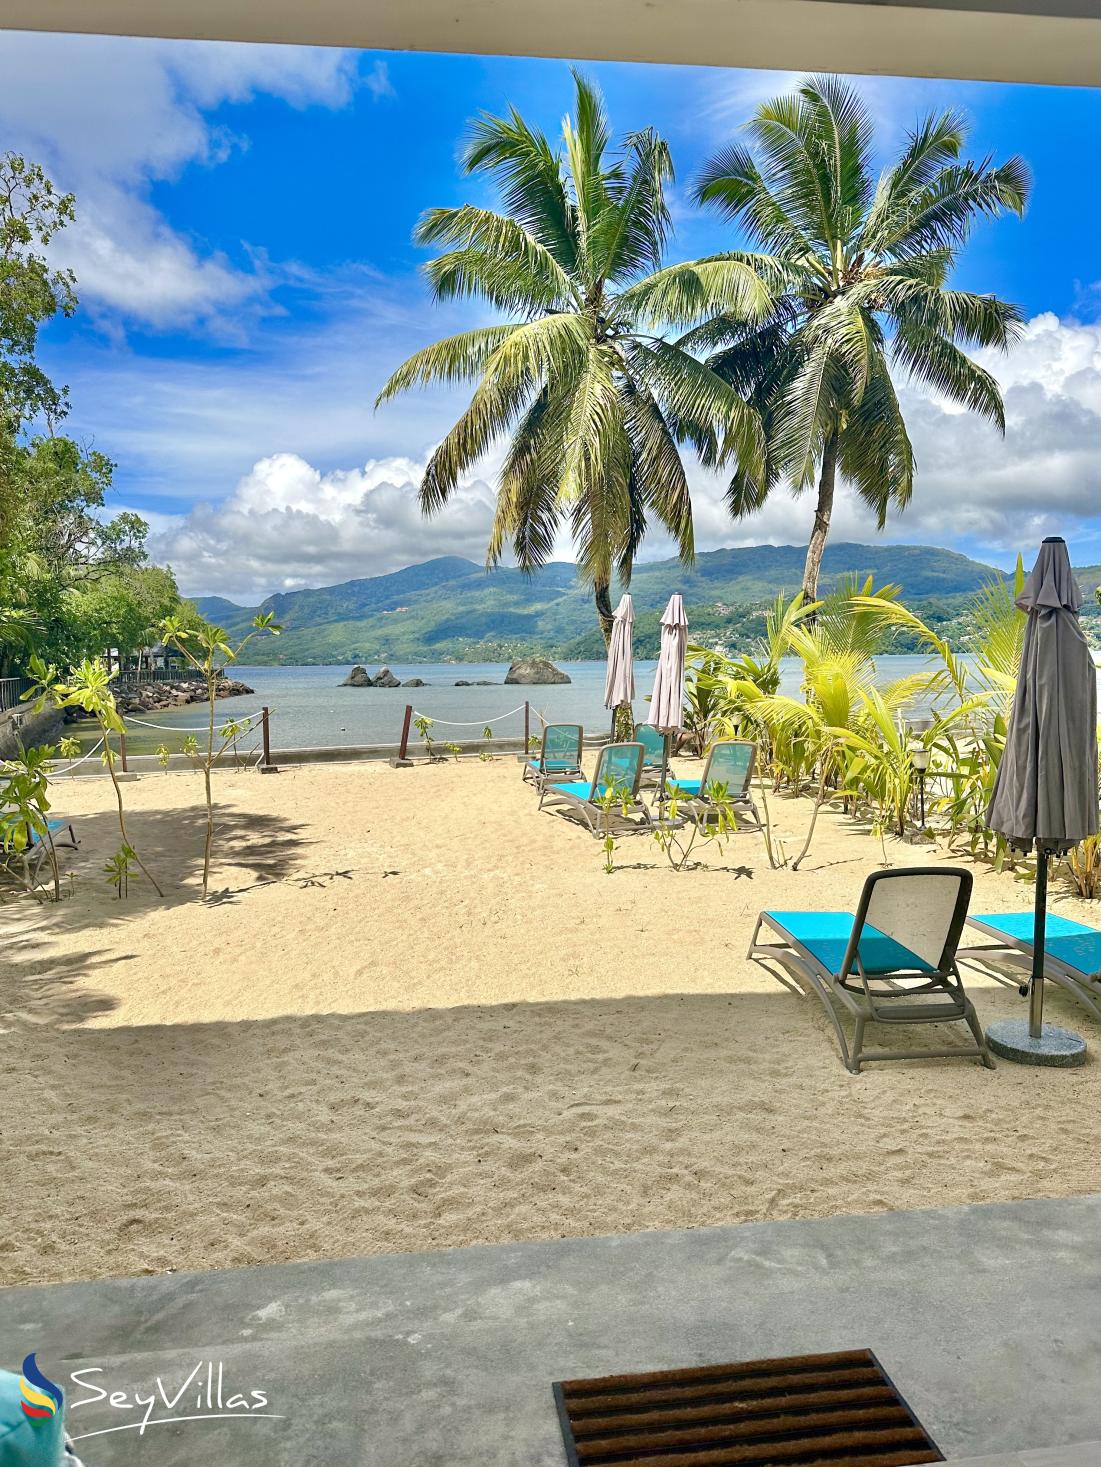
x: 1010, y: 1039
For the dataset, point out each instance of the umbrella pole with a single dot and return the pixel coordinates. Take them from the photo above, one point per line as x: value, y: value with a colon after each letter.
x: 664, y: 766
x: 1039, y: 936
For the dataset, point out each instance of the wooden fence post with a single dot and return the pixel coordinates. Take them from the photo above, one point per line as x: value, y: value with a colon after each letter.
x: 403, y: 760
x: 122, y: 750
x: 527, y: 726
x: 266, y: 728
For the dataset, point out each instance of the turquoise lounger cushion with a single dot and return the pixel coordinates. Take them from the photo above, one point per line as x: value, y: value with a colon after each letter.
x: 691, y: 787
x: 581, y: 788
x: 578, y: 787
x: 553, y: 764
x: 1072, y: 943
x: 826, y: 935
x: 26, y: 1443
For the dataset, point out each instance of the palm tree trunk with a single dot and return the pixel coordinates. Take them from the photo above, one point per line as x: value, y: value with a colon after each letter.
x: 826, y: 483
x: 602, y: 594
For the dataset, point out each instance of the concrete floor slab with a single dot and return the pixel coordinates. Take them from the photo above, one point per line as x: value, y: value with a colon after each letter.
x: 984, y: 1316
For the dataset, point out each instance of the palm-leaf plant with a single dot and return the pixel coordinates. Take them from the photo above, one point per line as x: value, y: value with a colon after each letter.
x: 971, y: 702
x: 859, y: 271
x: 577, y: 378
x: 208, y: 650
x: 88, y: 687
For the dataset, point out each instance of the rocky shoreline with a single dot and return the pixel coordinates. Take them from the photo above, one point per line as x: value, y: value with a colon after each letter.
x: 156, y: 697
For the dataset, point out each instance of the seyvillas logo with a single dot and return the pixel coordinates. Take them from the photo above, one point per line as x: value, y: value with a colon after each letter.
x: 41, y: 1399
x: 202, y: 1395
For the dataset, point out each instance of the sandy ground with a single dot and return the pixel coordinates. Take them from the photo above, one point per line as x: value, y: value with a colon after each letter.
x: 417, y: 1013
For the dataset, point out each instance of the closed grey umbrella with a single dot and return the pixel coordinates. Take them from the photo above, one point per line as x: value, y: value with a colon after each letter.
x: 619, y: 681
x: 667, y: 699
x: 1045, y: 792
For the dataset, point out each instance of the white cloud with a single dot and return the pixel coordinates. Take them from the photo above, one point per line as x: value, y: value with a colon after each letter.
x: 287, y: 525
x: 109, y: 116
x: 378, y: 83
x: 999, y: 494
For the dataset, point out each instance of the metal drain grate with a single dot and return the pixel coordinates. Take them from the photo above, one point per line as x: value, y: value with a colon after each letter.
x: 839, y: 1410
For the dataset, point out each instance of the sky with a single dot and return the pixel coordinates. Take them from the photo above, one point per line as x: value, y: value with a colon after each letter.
x: 247, y: 281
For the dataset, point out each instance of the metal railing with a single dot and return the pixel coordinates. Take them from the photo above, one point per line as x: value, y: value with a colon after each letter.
x: 132, y: 676
x: 12, y: 690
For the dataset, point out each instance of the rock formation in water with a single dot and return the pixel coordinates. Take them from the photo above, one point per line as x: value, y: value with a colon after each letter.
x: 535, y: 670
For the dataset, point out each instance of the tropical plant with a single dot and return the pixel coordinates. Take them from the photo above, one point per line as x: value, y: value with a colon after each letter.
x: 858, y: 272
x: 591, y: 396
x: 676, y: 837
x: 612, y: 796
x: 1084, y: 862
x: 208, y: 650
x: 971, y: 703
x: 119, y: 868
x: 88, y: 687
x: 25, y: 806
x: 423, y: 725
x: 164, y: 756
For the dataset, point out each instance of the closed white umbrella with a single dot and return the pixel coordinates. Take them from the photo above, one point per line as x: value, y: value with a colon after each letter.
x: 667, y: 699
x: 619, y: 682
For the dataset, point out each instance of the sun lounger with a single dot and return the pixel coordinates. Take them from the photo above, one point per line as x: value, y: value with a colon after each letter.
x: 730, y: 764
x: 559, y: 755
x: 894, y: 962
x: 34, y: 853
x: 618, y: 768
x: 1072, y: 953
x: 653, y: 756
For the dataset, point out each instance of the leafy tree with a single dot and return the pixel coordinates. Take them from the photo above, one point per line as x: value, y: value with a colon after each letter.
x: 858, y: 271
x: 208, y: 650
x: 122, y: 610
x: 53, y: 536
x: 591, y: 397
x: 31, y: 292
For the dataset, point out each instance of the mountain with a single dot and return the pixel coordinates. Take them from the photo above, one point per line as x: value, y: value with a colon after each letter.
x: 451, y: 608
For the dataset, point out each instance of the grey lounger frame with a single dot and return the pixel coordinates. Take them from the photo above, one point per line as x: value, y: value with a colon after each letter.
x: 598, y: 820
x: 882, y: 998
x: 1084, y: 988
x: 535, y: 770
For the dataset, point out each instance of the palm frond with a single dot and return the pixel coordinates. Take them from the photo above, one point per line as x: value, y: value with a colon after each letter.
x: 631, y: 232
x: 944, y: 212
x: 940, y: 364
x: 527, y: 512
x: 660, y: 482
x: 874, y: 452
x: 496, y: 258
x: 682, y: 294
x: 492, y: 411
x: 455, y: 359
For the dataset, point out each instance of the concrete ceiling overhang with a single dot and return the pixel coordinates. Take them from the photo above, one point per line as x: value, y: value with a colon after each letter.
x: 994, y: 40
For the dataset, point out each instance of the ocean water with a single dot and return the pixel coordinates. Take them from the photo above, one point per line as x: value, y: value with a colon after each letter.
x: 309, y: 708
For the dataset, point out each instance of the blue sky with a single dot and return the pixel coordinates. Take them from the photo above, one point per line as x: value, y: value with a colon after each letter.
x: 248, y: 280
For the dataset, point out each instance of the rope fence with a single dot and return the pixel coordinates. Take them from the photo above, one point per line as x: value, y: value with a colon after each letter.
x: 76, y: 763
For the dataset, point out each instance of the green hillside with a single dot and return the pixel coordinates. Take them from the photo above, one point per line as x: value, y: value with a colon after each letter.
x: 450, y: 608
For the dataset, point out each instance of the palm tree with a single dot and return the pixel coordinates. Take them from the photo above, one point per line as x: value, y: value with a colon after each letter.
x: 858, y: 270
x: 590, y: 395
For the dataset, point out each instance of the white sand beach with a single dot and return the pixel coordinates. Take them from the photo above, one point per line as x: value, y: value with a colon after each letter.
x: 418, y: 1013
